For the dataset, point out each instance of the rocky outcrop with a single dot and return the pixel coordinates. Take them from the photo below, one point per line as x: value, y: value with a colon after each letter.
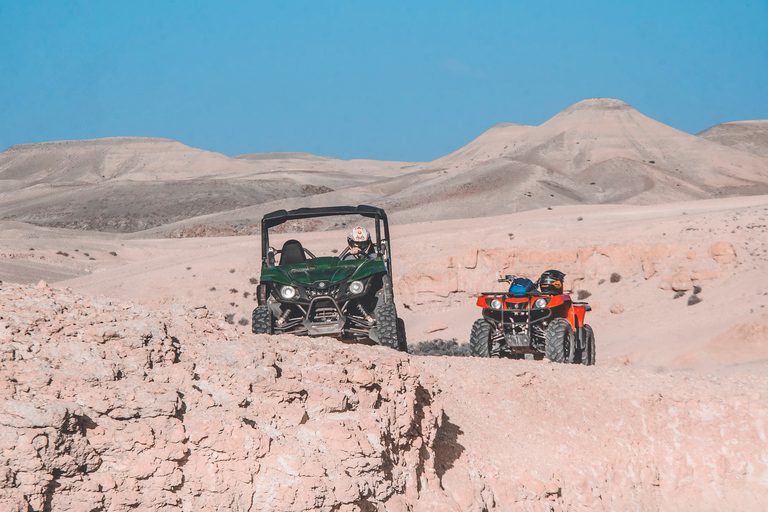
x: 109, y: 406
x: 456, y: 277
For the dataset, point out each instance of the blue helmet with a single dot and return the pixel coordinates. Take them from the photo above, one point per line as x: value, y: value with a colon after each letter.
x: 521, y: 285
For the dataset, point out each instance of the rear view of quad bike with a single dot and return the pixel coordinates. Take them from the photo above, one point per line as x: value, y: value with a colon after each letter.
x: 531, y: 322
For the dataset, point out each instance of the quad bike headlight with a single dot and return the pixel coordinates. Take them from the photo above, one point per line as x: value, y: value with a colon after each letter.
x: 356, y: 287
x: 287, y: 292
x: 495, y: 303
x: 540, y: 303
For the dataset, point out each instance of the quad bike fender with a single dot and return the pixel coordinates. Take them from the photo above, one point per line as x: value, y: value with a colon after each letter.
x: 578, y: 312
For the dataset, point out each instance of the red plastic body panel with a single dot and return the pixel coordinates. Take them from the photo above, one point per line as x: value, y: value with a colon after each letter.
x: 579, y: 312
x: 573, y: 313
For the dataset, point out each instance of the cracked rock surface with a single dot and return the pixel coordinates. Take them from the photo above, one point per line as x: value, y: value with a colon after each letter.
x: 109, y: 406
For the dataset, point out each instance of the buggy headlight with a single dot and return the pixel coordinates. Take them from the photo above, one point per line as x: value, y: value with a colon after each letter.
x: 356, y: 287
x: 540, y: 303
x: 287, y: 292
x: 495, y: 303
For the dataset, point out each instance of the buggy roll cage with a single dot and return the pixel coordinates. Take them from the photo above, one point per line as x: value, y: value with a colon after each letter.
x: 278, y: 217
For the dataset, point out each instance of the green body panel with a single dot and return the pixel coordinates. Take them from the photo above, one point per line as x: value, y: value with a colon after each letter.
x: 326, y: 268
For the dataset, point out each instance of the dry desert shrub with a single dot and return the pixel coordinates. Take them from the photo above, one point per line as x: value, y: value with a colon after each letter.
x: 246, y: 295
x: 693, y: 299
x: 439, y: 347
x: 582, y: 294
x: 229, y: 318
x: 243, y: 321
x: 253, y: 280
x: 62, y: 253
x: 233, y: 290
x: 112, y: 253
x: 615, y: 278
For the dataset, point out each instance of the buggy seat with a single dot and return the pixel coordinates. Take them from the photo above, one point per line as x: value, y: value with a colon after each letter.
x: 292, y: 253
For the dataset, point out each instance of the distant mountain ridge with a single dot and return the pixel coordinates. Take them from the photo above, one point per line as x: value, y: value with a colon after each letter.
x: 599, y: 150
x: 750, y: 136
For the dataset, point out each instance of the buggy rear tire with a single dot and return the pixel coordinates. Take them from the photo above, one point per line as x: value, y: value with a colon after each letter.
x: 402, y: 342
x: 480, y: 338
x: 588, y: 355
x: 386, y: 321
x: 558, y: 340
x: 262, y: 321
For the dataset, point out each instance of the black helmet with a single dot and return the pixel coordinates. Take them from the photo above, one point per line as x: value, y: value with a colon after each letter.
x: 551, y: 282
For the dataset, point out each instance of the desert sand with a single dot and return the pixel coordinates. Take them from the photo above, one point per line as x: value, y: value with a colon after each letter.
x: 130, y: 378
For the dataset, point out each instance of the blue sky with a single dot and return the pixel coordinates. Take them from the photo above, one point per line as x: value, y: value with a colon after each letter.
x: 384, y: 80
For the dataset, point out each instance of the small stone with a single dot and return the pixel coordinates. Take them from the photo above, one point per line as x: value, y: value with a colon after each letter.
x: 437, y: 326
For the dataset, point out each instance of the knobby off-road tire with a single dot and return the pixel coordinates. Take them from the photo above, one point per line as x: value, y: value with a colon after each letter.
x: 386, y: 321
x: 261, y: 320
x: 402, y: 341
x: 480, y: 338
x: 388, y: 295
x: 558, y: 341
x: 588, y: 355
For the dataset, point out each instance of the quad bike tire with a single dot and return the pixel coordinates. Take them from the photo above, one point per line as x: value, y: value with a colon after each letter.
x: 558, y: 341
x: 588, y: 355
x: 262, y: 321
x: 480, y: 338
x: 386, y: 320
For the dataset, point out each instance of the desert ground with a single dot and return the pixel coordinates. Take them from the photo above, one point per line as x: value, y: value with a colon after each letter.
x: 129, y: 376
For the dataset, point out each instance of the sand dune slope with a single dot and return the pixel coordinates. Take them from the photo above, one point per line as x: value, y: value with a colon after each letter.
x: 597, y: 151
x: 128, y: 184
x: 750, y: 136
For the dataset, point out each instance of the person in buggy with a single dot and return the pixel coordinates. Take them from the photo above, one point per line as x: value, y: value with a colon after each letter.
x: 359, y: 245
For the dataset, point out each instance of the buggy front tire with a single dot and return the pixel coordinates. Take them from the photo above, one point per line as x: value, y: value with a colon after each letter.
x: 558, y: 340
x: 386, y: 321
x: 480, y: 338
x: 588, y: 355
x: 261, y: 320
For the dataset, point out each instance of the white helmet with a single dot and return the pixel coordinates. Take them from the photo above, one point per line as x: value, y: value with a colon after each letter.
x: 359, y: 236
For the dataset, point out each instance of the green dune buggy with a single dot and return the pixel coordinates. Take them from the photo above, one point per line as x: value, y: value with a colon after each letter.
x: 349, y: 298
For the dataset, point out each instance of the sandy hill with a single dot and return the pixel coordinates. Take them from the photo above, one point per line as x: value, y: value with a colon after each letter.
x: 126, y: 184
x: 491, y: 144
x: 750, y: 136
x: 598, y: 151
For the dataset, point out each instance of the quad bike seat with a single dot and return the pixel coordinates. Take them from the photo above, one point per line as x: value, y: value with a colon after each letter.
x: 292, y: 253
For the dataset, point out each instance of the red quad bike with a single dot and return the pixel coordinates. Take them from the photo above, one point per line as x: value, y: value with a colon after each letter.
x: 530, y: 323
